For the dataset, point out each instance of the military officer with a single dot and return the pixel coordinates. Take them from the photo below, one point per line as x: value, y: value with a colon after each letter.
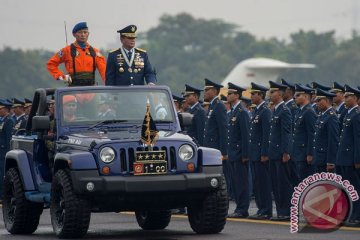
x: 258, y: 152
x: 327, y: 133
x: 216, y: 123
x: 27, y: 107
x: 6, y: 128
x: 178, y: 103
x: 338, y: 101
x: 312, y: 98
x: 348, y: 155
x: 303, y: 133
x: 238, y: 146
x: 20, y: 119
x: 196, y: 129
x: 279, y: 152
x: 129, y: 65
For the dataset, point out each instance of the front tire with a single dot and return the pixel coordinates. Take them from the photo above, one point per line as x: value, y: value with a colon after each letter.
x: 20, y: 215
x: 153, y: 220
x: 70, y: 214
x: 209, y: 216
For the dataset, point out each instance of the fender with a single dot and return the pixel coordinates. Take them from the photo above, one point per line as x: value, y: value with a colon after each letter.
x: 76, y: 160
x: 209, y: 156
x: 19, y: 159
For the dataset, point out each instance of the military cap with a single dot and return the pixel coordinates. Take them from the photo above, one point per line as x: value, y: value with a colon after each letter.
x: 320, y: 93
x: 320, y: 86
x: 232, y: 88
x: 129, y: 31
x: 289, y: 85
x: 5, y: 103
x: 17, y: 103
x: 79, y: 26
x: 223, y: 98
x: 257, y: 88
x: 312, y: 89
x: 246, y: 100
x: 191, y: 90
x: 211, y: 84
x: 337, y: 87
x: 277, y: 86
x: 28, y: 102
x: 177, y: 98
x: 351, y: 91
x: 299, y: 88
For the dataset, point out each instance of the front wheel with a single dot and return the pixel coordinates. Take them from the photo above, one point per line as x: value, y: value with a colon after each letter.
x: 153, y: 220
x: 209, y: 216
x: 20, y: 215
x: 70, y: 214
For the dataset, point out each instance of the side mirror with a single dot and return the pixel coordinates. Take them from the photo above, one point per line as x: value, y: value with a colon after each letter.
x: 185, y: 120
x: 40, y: 123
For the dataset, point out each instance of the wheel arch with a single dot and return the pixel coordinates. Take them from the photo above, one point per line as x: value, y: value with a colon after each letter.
x: 18, y: 159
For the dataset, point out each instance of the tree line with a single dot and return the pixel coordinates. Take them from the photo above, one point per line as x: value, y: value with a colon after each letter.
x: 184, y: 49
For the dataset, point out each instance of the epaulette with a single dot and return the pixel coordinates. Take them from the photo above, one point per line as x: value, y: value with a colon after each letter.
x: 140, y: 49
x: 114, y: 50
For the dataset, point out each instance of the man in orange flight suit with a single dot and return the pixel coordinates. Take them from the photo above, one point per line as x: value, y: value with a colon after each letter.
x: 81, y: 60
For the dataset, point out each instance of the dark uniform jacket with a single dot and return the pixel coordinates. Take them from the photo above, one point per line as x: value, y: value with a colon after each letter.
x: 349, y: 151
x: 326, y: 138
x: 341, y: 114
x: 303, y: 134
x: 216, y: 127
x: 20, y: 123
x: 6, y: 129
x: 196, y: 130
x: 118, y: 72
x: 238, y: 133
x: 259, y: 132
x: 280, y: 132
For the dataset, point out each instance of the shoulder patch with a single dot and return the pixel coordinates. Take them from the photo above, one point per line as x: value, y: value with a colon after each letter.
x: 114, y: 50
x: 140, y: 49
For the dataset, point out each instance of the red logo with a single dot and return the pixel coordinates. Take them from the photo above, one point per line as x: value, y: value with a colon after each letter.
x: 138, y: 168
x: 325, y: 206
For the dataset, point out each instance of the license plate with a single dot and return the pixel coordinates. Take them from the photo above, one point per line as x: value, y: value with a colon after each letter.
x: 150, y: 167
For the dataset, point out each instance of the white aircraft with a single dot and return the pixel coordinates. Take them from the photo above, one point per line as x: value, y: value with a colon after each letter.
x: 260, y: 70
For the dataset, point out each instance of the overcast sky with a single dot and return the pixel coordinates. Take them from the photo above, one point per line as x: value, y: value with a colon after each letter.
x: 39, y: 24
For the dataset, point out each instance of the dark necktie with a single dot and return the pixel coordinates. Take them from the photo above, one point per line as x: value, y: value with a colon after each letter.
x: 129, y: 55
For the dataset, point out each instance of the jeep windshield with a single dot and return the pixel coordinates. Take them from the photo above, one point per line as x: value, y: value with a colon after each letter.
x: 101, y: 107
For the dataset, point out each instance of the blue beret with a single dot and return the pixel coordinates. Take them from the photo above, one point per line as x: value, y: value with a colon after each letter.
x: 129, y: 31
x: 79, y: 26
x: 211, y: 84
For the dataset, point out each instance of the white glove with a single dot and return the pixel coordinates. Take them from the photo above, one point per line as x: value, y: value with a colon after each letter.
x: 67, y: 79
x: 151, y: 84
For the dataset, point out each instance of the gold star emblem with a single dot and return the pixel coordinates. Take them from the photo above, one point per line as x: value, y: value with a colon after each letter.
x: 153, y: 156
x: 160, y: 156
x: 147, y: 156
x: 140, y: 156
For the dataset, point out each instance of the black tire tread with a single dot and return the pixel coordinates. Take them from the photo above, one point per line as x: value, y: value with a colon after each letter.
x: 155, y: 220
x: 78, y: 210
x: 27, y: 214
x: 210, y: 216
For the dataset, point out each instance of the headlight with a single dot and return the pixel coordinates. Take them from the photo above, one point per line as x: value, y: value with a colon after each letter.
x: 107, y: 154
x: 186, y: 152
